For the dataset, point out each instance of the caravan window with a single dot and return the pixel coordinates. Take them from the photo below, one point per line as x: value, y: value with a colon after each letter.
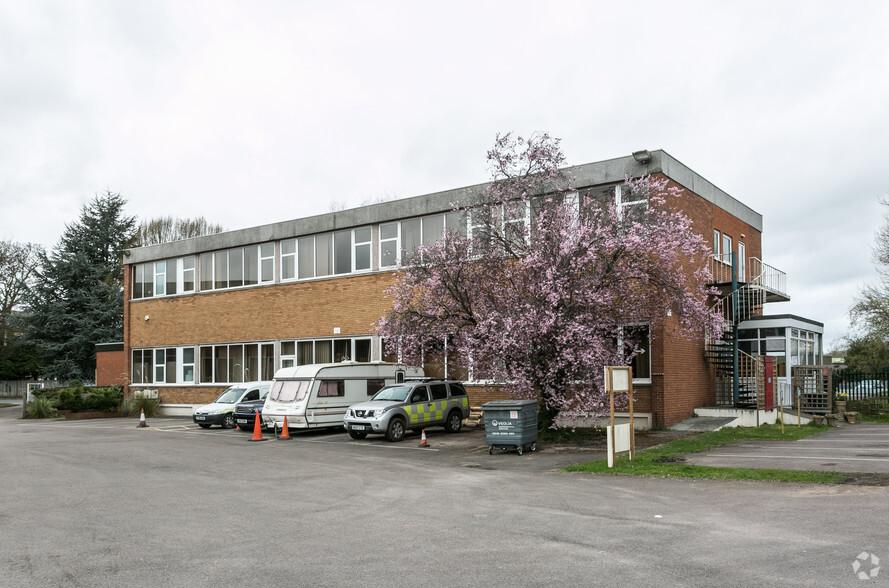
x: 374, y: 386
x: 289, y: 390
x: 331, y: 388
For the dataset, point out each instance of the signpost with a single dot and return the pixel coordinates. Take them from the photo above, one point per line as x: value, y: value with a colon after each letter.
x: 622, y: 437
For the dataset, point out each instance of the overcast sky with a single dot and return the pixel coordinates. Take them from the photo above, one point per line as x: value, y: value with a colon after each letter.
x: 249, y: 113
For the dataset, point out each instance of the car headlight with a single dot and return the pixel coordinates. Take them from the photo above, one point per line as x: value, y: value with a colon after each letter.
x: 379, y: 412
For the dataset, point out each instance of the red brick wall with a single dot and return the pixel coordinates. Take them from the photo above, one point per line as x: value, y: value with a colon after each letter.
x: 681, y: 377
x: 111, y: 368
x: 281, y: 311
x: 202, y: 394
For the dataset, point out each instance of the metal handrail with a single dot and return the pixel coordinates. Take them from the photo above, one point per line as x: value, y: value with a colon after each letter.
x: 768, y: 277
x: 765, y: 275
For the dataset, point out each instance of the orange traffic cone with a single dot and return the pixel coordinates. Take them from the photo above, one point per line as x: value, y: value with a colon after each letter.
x: 142, y: 422
x: 285, y: 432
x: 423, y: 439
x: 257, y: 429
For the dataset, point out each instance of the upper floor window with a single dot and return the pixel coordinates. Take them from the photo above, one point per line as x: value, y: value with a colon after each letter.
x: 163, y: 278
x: 237, y: 267
x: 510, y: 221
x: 726, y: 249
x: 317, y: 256
x: 400, y: 240
x: 631, y: 205
x: 722, y: 247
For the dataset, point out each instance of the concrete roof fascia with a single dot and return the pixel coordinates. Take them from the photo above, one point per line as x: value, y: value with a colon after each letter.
x: 332, y: 221
x: 589, y: 174
x: 776, y: 320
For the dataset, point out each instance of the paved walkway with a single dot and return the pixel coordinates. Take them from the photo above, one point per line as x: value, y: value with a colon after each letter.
x: 845, y: 448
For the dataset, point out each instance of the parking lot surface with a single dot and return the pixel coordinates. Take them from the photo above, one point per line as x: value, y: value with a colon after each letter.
x: 863, y: 447
x: 105, y: 503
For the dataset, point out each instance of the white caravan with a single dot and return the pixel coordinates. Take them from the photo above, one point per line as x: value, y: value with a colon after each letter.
x: 317, y: 395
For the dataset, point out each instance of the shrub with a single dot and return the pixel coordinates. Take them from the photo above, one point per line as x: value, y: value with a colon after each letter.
x: 71, y: 399
x: 103, y: 399
x: 133, y: 406
x: 41, y: 407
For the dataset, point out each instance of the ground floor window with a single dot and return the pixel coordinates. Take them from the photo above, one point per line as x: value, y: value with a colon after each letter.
x: 636, y: 340
x: 439, y: 360
x: 239, y: 362
x: 309, y: 351
x: 165, y: 365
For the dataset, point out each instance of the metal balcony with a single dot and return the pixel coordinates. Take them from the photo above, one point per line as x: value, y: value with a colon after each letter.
x: 757, y: 274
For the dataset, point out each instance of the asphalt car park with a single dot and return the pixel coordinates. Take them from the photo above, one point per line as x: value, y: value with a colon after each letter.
x: 863, y: 447
x: 106, y: 503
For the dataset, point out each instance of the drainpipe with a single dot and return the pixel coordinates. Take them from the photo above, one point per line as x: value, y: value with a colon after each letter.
x: 736, y: 393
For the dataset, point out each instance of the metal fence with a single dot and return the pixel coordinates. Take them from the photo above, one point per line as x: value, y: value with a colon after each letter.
x: 856, y: 385
x: 17, y: 388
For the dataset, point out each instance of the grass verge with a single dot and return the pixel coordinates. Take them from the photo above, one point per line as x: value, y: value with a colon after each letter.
x: 666, y: 460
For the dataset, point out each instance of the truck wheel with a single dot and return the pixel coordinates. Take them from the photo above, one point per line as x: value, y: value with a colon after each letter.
x: 228, y: 422
x: 357, y: 434
x: 395, y: 431
x: 454, y: 422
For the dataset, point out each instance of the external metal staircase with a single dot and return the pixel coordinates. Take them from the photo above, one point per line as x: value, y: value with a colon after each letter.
x: 740, y: 377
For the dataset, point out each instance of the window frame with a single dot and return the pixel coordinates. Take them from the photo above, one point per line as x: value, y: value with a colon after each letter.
x: 170, y: 274
x: 646, y: 352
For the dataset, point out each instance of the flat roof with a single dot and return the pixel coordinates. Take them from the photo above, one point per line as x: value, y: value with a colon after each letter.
x: 588, y: 174
x: 784, y: 318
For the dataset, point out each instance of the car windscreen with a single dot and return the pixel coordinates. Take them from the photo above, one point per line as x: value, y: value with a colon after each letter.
x: 397, y: 393
x: 230, y: 396
x: 289, y: 390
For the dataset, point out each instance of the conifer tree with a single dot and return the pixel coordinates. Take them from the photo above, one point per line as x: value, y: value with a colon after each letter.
x: 77, y: 297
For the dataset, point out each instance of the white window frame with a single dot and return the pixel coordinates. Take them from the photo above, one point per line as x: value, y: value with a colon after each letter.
x: 620, y: 344
x: 160, y: 277
x: 181, y: 365
x: 363, y: 244
x: 622, y: 204
x: 269, y: 258
x: 726, y: 249
x: 294, y: 256
x: 181, y: 276
x: 396, y: 241
x: 742, y: 262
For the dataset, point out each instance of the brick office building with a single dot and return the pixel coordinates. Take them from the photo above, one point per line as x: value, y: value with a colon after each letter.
x: 202, y: 313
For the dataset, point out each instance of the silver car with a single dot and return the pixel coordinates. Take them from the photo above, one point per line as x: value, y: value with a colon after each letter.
x: 410, y: 405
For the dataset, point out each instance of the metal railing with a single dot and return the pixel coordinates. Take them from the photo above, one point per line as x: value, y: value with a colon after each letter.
x: 762, y: 274
x: 721, y: 268
x: 750, y: 302
x: 767, y: 276
x: 751, y: 384
x: 857, y: 385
